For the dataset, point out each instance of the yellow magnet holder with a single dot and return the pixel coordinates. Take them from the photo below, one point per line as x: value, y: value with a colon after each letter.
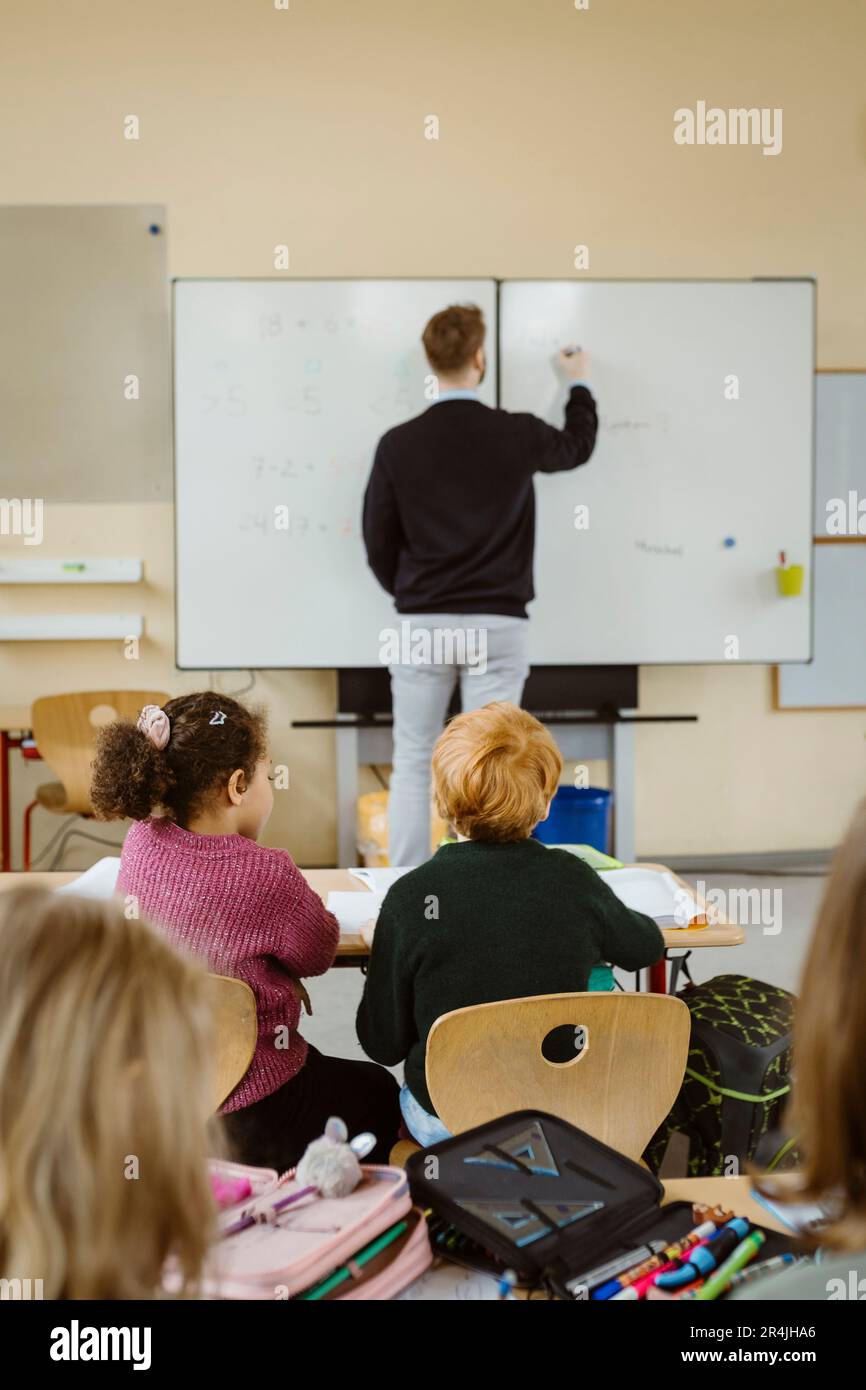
x: 789, y: 580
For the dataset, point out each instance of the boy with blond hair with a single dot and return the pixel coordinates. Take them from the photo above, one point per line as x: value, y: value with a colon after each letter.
x: 496, y: 914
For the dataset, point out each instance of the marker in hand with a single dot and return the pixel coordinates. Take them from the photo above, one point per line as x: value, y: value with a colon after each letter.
x: 573, y: 362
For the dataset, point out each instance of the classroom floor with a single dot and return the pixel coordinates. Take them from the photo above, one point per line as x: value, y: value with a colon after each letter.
x: 776, y: 958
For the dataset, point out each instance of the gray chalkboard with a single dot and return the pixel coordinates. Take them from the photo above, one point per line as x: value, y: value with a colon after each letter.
x: 86, y: 307
x: 836, y: 676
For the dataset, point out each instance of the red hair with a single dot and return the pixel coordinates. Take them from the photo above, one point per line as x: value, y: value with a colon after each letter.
x: 494, y: 772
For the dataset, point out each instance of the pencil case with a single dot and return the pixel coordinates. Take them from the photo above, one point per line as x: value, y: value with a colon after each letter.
x: 286, y: 1251
x: 391, y: 1270
x: 224, y: 1176
x: 547, y: 1200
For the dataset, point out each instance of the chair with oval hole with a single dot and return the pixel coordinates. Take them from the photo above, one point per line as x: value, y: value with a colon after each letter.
x: 236, y: 1031
x: 616, y: 1077
x: 64, y: 729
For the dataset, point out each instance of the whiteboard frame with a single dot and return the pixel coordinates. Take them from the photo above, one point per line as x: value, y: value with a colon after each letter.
x: 498, y: 282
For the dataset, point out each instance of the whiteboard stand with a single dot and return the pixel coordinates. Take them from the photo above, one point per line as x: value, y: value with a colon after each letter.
x: 367, y: 742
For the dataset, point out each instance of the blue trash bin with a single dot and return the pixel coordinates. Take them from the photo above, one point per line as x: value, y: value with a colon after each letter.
x: 578, y: 816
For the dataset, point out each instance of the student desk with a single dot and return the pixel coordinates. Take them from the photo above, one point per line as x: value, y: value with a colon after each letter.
x: 733, y: 1193
x: 352, y: 952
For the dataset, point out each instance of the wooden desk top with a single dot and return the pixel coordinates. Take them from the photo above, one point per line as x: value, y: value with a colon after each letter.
x: 325, y: 881
x: 735, y: 1194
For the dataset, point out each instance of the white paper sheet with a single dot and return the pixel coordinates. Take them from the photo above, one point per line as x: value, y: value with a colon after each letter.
x: 352, y: 910
x: 99, y: 881
x: 799, y: 1217
x: 448, y: 1283
x: 379, y: 880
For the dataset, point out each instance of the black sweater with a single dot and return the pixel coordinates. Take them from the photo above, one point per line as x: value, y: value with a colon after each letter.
x: 449, y: 511
x: 512, y: 920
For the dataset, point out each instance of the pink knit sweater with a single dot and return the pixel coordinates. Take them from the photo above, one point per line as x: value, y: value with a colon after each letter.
x: 246, y: 911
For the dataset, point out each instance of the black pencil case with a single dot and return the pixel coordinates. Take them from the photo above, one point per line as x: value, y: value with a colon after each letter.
x: 549, y: 1201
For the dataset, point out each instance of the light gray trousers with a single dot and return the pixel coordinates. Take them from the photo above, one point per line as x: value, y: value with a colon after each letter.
x: 489, y: 654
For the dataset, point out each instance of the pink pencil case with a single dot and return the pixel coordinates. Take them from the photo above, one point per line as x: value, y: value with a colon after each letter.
x: 392, y: 1270
x: 286, y: 1251
x: 261, y: 1182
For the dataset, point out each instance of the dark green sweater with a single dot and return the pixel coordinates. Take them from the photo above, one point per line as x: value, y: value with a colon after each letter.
x: 481, y: 922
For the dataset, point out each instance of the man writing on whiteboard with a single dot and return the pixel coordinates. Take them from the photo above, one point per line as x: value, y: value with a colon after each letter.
x: 449, y: 528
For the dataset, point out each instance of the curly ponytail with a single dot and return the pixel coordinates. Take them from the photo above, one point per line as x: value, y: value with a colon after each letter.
x: 130, y: 776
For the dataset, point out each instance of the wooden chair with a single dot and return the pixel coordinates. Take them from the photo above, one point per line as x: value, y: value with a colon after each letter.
x: 487, y: 1060
x: 236, y: 1030
x: 64, y: 728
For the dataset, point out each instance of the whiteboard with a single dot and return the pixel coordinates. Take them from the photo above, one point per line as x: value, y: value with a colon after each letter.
x: 677, y: 468
x: 282, y: 389
x: 836, y: 677
x: 840, y: 450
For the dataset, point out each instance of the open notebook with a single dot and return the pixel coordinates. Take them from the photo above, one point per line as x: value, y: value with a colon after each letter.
x: 656, y: 893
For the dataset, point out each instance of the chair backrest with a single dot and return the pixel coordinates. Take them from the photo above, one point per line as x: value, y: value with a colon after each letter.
x: 236, y: 1033
x: 65, y: 726
x: 487, y: 1060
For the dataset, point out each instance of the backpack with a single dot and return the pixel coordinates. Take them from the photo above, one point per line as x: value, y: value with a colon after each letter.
x: 737, y: 1079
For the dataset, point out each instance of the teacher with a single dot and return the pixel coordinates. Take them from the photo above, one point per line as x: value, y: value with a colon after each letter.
x: 449, y: 528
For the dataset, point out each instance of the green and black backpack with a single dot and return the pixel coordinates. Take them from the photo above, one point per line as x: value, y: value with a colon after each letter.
x: 737, y: 1078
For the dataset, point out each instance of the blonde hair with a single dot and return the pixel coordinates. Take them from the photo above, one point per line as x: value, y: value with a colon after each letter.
x: 104, y: 1097
x: 495, y: 770
x: 829, y: 1092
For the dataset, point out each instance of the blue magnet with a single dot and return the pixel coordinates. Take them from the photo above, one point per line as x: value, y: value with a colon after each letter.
x: 728, y: 542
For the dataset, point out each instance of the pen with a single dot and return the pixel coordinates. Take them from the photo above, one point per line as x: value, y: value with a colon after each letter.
x: 704, y: 1232
x: 765, y: 1267
x: 612, y: 1268
x: 362, y: 1258
x: 703, y: 1259
x: 632, y: 1292
x: 719, y: 1281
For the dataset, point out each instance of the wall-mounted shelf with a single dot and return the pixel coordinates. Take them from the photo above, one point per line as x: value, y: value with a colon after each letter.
x: 69, y: 570
x: 70, y: 627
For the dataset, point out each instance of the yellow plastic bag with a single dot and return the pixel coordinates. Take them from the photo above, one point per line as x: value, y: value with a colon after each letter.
x: 372, y: 829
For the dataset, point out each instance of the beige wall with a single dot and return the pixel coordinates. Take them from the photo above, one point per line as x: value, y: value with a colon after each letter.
x: 260, y: 126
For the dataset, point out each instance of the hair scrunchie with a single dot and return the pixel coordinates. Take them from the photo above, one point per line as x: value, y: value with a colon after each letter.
x: 155, y: 724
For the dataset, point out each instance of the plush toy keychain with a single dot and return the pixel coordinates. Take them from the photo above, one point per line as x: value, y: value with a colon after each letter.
x: 331, y: 1165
